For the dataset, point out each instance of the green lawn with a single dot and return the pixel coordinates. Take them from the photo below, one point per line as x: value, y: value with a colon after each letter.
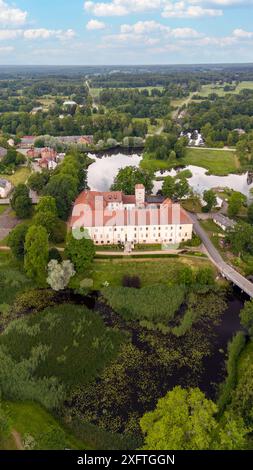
x: 155, y: 165
x: 30, y: 419
x: 20, y: 176
x: 151, y: 271
x: 217, y: 162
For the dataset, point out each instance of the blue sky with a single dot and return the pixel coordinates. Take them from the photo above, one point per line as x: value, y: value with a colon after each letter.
x: 78, y: 32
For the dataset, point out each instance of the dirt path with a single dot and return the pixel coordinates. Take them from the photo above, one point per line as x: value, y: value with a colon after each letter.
x: 17, y: 439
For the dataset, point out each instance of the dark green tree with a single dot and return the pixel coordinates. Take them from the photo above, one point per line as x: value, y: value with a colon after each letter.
x: 36, y: 254
x: 16, y: 240
x: 80, y: 251
x: 129, y: 176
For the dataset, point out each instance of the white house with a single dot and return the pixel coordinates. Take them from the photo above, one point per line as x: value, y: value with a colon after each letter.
x: 5, y: 188
x: 113, y: 218
x: 223, y: 222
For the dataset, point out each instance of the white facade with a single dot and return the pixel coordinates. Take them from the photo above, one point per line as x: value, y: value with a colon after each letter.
x: 146, y: 234
x: 5, y: 188
x: 113, y: 218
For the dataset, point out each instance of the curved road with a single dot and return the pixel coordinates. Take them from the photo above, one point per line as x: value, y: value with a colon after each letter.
x: 225, y: 269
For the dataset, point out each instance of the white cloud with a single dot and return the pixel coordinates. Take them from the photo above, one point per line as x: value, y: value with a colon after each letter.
x: 224, y: 3
x: 182, y: 10
x: 9, y: 34
x: 10, y: 15
x: 6, y: 49
x: 241, y: 34
x: 142, y: 27
x: 121, y: 7
x: 43, y: 33
x: 95, y: 25
x: 183, y: 33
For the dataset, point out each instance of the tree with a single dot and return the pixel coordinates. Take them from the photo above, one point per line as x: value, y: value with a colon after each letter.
x: 21, y: 203
x: 168, y: 187
x: 129, y: 176
x: 205, y: 277
x: 210, y: 199
x: 64, y: 188
x: 182, y: 420
x: 250, y: 213
x: 80, y: 251
x: 36, y: 253
x: 59, y: 274
x: 46, y: 214
x: 16, y: 240
x: 185, y: 420
x: 181, y: 189
x: 241, y: 238
x: 242, y: 402
x: 231, y: 433
x: 38, y: 181
x: 235, y: 203
x: 246, y: 316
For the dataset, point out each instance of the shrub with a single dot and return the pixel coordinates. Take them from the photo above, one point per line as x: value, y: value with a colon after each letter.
x: 59, y: 231
x: 235, y: 348
x: 54, y: 254
x: 131, y: 281
x: 154, y: 303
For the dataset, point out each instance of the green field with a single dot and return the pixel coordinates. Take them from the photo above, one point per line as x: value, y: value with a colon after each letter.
x: 217, y: 162
x: 155, y: 165
x: 29, y: 422
x: 219, y: 89
x: 151, y: 271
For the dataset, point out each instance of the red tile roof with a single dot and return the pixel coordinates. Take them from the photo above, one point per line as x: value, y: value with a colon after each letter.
x: 91, y: 210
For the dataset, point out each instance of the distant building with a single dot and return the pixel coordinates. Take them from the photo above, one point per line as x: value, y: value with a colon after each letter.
x: 239, y: 131
x: 223, y: 222
x: 37, y: 110
x: 116, y: 218
x: 3, y: 153
x: 69, y: 104
x: 75, y: 139
x: 11, y: 142
x: 46, y: 152
x: 48, y: 163
x: 5, y: 188
x: 27, y: 142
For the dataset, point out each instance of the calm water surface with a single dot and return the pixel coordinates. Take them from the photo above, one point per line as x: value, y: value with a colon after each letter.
x: 102, y: 172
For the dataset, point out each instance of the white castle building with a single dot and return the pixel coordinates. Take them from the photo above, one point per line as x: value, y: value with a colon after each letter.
x: 113, y: 217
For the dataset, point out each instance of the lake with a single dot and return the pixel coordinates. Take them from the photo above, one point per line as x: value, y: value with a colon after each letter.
x: 102, y: 172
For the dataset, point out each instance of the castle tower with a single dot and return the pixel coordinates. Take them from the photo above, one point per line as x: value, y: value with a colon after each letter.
x: 139, y: 195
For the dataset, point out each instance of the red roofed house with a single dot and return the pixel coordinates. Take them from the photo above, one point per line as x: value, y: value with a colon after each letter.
x: 113, y: 217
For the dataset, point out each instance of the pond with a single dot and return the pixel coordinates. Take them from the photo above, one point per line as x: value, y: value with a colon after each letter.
x: 102, y: 172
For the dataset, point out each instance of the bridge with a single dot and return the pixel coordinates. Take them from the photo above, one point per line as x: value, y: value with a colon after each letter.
x: 225, y: 269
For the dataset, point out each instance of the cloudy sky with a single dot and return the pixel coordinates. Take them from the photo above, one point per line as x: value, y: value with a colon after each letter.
x: 70, y: 32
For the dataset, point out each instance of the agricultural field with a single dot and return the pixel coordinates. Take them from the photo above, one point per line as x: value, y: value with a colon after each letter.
x: 219, y: 89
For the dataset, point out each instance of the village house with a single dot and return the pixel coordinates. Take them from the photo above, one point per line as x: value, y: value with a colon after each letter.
x: 27, y: 142
x: 75, y: 139
x: 11, y: 142
x: 223, y: 222
x: 116, y: 218
x: 5, y: 188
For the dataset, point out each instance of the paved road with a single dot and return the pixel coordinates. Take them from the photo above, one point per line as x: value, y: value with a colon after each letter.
x: 225, y: 269
x: 7, y: 223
